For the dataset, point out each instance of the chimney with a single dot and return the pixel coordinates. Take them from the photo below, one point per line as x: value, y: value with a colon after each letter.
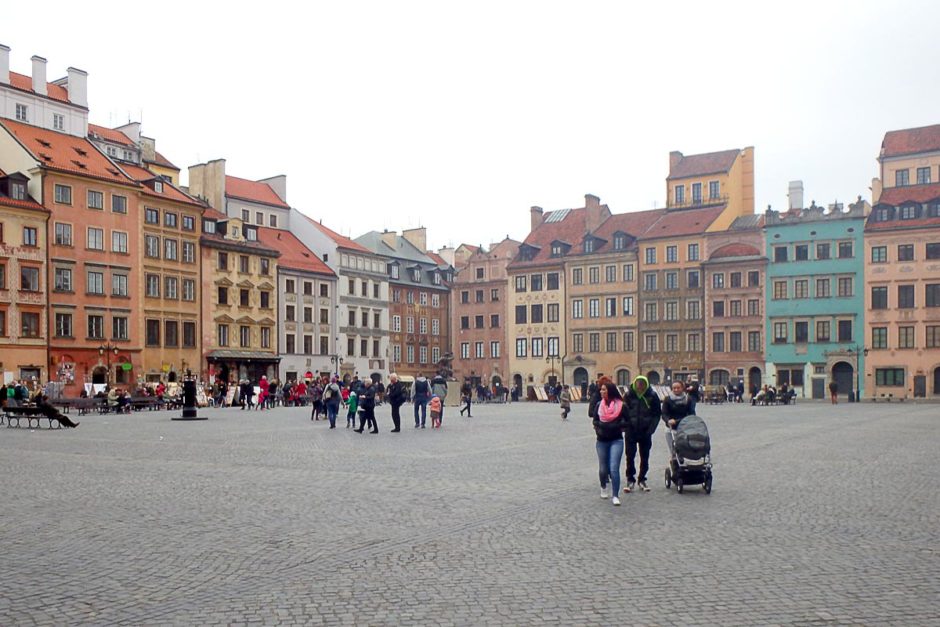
x: 77, y: 85
x: 674, y: 158
x: 39, y: 75
x: 795, y: 194
x: 390, y: 239
x: 148, y: 148
x: 4, y: 65
x: 132, y: 130
x: 418, y: 238
x: 536, y: 213
x: 595, y: 213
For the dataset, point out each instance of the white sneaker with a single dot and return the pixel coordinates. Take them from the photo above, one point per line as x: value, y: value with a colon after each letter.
x: 644, y: 487
x: 605, y: 492
x: 615, y: 501
x: 630, y: 487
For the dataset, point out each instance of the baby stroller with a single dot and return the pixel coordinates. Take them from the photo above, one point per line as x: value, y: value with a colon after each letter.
x: 690, y: 455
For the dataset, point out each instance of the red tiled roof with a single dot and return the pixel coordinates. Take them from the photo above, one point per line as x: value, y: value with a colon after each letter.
x: 634, y: 223
x: 570, y: 229
x: 341, y: 242
x: 111, y: 135
x: 65, y: 153
x: 913, y: 193
x: 56, y: 92
x: 214, y: 214
x: 735, y: 250
x: 170, y: 192
x: 294, y: 254
x: 253, y: 191
x: 22, y: 204
x: 700, y: 165
x: 902, y: 225
x: 162, y: 161
x: 678, y: 223
x: 911, y: 141
x: 437, y: 258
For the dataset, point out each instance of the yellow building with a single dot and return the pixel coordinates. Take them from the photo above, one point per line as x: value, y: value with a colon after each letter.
x: 23, y: 282
x: 724, y: 178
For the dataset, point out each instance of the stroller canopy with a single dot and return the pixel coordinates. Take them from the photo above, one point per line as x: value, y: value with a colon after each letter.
x: 692, y: 441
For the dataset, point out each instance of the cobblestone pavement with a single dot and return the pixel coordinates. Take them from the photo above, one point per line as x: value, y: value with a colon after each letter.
x: 819, y: 515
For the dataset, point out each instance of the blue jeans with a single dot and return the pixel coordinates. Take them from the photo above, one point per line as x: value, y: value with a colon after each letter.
x: 609, y: 455
x: 331, y: 410
x: 423, y: 404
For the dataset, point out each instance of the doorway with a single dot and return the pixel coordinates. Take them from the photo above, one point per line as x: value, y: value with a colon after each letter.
x: 844, y: 375
x: 653, y: 377
x: 99, y: 376
x: 936, y: 380
x: 754, y: 379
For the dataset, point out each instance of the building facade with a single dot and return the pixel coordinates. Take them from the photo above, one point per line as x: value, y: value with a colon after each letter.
x: 902, y: 273
x: 814, y: 299
x: 479, y: 293
x: 734, y: 273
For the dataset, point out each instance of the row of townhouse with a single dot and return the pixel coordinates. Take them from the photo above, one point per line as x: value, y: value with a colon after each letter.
x: 112, y: 272
x: 706, y: 289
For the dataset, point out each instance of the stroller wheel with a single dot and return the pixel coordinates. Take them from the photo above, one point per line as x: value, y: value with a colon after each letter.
x: 708, y: 484
x: 668, y: 479
x: 679, y: 485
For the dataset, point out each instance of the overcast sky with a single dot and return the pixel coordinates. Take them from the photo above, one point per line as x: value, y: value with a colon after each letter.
x: 460, y: 116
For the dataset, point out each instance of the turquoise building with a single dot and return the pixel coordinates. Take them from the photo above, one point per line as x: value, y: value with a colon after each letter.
x: 815, y: 299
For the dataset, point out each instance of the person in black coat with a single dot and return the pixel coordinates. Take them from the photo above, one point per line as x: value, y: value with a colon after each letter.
x: 677, y: 405
x: 367, y: 407
x: 396, y: 395
x: 595, y: 396
x: 642, y: 417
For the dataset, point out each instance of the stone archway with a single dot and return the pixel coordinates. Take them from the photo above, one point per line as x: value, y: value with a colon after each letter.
x: 844, y: 375
x: 653, y: 377
x: 936, y: 380
x: 99, y: 376
x: 754, y: 379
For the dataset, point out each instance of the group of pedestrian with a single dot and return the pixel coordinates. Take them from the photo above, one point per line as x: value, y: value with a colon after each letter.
x: 625, y: 425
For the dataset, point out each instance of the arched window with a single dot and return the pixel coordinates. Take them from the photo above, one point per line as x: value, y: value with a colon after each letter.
x: 623, y: 378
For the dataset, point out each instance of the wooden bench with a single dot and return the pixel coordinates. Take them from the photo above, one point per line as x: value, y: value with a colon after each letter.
x: 150, y: 403
x: 31, y: 414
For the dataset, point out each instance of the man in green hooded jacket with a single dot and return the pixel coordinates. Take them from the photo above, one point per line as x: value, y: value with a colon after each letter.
x: 643, y: 411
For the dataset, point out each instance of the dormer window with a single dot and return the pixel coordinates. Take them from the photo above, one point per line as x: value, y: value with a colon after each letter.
x: 251, y: 235
x: 436, y: 278
x: 208, y: 226
x: 393, y: 270
x: 589, y: 245
x: 18, y: 191
x: 882, y: 215
x: 111, y: 150
x: 909, y: 212
x: 416, y: 275
x: 620, y: 241
x: 557, y: 250
x: 21, y: 113
x: 933, y: 210
x: 158, y: 187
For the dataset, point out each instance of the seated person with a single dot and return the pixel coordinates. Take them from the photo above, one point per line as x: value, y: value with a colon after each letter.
x: 47, y: 410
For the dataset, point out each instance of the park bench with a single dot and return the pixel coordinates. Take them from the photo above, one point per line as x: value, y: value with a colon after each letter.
x: 150, y: 403
x: 32, y: 415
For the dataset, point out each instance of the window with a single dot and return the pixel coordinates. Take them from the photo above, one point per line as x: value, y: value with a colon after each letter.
x: 536, y: 347
x: 264, y: 265
x: 410, y: 354
x: 933, y: 336
x: 119, y: 204
x: 95, y: 327
x: 259, y: 219
x: 551, y: 312
x: 423, y: 324
x: 223, y: 300
x: 95, y: 282
x: 30, y: 324
x: 627, y: 303
x: 801, y: 332
x: 536, y: 317
x: 879, y: 254
x: 21, y: 113
x: 95, y: 199
x: 620, y: 241
x: 735, y: 279
x: 465, y: 350
x: 170, y: 249
x: 672, y: 280
x: 265, y: 337
x: 932, y: 295
x: 479, y: 296
x: 693, y: 280
x: 680, y: 194
x: 95, y: 238
x: 845, y: 250
x: 628, y: 341
x: 272, y: 221
x: 151, y: 216
x: 189, y: 223
x: 521, y: 314
x: 801, y: 252
x: 611, y: 342
x: 494, y: 292
x: 718, y: 309
x: 713, y: 190
x: 650, y: 255
x: 718, y: 280
x: 244, y: 336
x: 435, y: 299
x: 266, y: 301
x: 410, y: 324
x: 879, y: 298
x: 63, y: 194
x: 933, y: 251
x: 780, y: 254
x: 63, y: 325
x: 63, y: 234
x: 801, y: 288
x: 650, y: 310
x: 693, y: 310
x: 780, y: 332
x: 672, y: 254
x: 650, y: 342
x: 577, y: 309
x: 909, y: 212
x: 735, y: 311
x: 696, y: 193
x: 594, y: 275
x: 628, y: 272
x: 845, y: 330
x: 610, y: 274
x: 435, y: 324
x: 693, y: 252
x: 119, y: 328
x: 845, y: 286
x: 189, y: 252
x: 693, y: 342
x: 753, y: 307
x: 889, y: 377
x: 119, y: 242
x: 521, y: 283
x: 577, y: 342
x: 906, y: 337
x: 58, y: 121
x: 63, y: 280
x: 152, y: 283
x: 923, y: 176
x: 902, y: 178
x: 189, y: 290
x: 718, y: 342
x: 905, y: 297
x: 577, y: 276
x: 753, y: 342
x: 753, y: 278
x: 594, y: 308
x: 522, y: 346
x: 243, y: 264
x: 29, y: 236
x: 535, y: 283
x: 152, y: 246
x: 649, y: 281
x: 823, y: 331
x: 780, y: 290
x: 671, y: 311
x: 222, y: 332
x: 905, y: 252
x: 17, y: 190
x: 396, y: 324
x: 119, y: 284
x: 594, y: 342
x: 823, y: 288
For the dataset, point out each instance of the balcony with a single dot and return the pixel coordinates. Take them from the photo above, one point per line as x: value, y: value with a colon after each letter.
x: 695, y: 203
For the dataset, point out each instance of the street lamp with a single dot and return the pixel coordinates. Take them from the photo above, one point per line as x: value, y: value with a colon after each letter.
x: 337, y: 361
x: 858, y: 351
x: 552, y: 358
x: 106, y: 350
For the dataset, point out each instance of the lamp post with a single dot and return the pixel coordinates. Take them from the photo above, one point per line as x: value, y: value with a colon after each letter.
x: 337, y: 361
x: 551, y: 358
x: 106, y: 350
x: 859, y: 350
